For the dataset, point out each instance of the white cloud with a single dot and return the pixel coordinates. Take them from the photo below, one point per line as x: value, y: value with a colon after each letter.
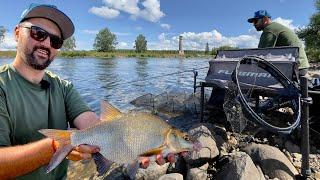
x: 150, y: 9
x: 197, y: 41
x: 104, y: 12
x: 94, y: 32
x: 165, y: 26
x: 122, y: 34
x: 128, y: 6
x: 87, y: 31
x: 138, y: 28
x: 286, y: 22
x: 8, y: 43
x: 122, y: 45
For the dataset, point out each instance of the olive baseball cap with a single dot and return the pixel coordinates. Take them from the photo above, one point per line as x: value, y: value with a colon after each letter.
x: 259, y: 14
x: 51, y: 13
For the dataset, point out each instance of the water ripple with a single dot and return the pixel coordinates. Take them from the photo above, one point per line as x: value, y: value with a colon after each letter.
x: 121, y: 80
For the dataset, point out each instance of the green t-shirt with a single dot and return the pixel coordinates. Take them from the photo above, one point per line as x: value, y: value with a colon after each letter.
x: 26, y: 107
x: 275, y: 35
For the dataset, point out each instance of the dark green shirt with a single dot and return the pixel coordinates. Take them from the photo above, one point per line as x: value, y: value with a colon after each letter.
x: 26, y: 107
x: 275, y: 35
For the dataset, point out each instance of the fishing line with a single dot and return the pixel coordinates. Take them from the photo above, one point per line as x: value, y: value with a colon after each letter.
x: 162, y: 75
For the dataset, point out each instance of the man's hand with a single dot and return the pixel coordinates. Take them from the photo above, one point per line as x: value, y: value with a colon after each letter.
x: 160, y: 160
x: 81, y: 152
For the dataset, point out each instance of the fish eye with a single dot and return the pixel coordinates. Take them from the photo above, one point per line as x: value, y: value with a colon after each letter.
x: 186, y: 137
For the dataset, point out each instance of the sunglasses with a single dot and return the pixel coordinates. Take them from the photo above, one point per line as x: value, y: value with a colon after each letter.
x: 40, y: 35
x: 256, y: 20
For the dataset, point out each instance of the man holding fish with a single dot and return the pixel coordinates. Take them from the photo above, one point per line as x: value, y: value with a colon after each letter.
x: 32, y: 99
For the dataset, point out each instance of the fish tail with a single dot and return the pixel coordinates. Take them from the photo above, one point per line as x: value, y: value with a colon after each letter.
x: 62, y: 136
x: 65, y: 147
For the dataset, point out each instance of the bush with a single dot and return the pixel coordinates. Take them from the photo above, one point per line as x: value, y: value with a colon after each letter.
x: 313, y: 55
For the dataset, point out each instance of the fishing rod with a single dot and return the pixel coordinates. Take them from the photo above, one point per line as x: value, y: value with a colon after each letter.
x: 163, y: 75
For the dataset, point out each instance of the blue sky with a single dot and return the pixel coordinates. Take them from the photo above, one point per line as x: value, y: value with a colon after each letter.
x: 217, y: 22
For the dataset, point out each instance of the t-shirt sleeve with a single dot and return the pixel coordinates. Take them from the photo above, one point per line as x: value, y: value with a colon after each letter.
x: 75, y: 105
x: 4, y: 122
x: 267, y: 39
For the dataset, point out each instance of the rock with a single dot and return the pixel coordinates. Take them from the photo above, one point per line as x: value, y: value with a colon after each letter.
x: 232, y: 141
x: 289, y: 156
x: 204, y: 136
x: 154, y: 171
x: 317, y: 176
x: 297, y: 156
x: 262, y: 176
x: 272, y: 161
x: 171, y: 176
x: 219, y: 141
x: 198, y: 173
x: 241, y: 167
x: 292, y: 148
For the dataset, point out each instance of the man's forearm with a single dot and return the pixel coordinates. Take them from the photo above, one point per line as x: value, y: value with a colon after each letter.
x: 19, y: 160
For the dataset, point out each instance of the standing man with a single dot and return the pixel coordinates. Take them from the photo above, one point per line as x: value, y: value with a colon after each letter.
x: 275, y: 34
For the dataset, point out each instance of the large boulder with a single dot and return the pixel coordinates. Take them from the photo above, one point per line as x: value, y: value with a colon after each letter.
x: 209, y: 148
x: 272, y: 161
x: 154, y: 171
x: 240, y: 167
x: 171, y: 176
x: 198, y: 173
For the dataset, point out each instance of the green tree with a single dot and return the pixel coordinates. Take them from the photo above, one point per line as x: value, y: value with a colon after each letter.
x: 311, y: 33
x: 215, y: 50
x: 105, y: 41
x: 206, y: 51
x: 69, y: 44
x: 2, y: 33
x: 140, y: 44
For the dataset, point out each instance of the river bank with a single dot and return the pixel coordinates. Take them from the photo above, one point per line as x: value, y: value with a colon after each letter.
x: 122, y: 54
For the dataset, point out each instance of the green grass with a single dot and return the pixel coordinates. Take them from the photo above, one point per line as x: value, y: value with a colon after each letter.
x: 313, y: 54
x: 121, y: 53
x: 7, y: 54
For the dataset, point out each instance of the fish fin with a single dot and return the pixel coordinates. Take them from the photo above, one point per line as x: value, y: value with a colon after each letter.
x: 108, y: 112
x: 58, y: 157
x: 103, y: 164
x: 62, y: 136
x: 132, y: 169
x: 154, y: 151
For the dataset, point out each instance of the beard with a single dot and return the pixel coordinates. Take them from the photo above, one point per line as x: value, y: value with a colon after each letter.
x: 258, y: 28
x: 35, y: 63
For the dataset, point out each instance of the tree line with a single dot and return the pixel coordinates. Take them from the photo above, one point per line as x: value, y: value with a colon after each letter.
x: 311, y: 35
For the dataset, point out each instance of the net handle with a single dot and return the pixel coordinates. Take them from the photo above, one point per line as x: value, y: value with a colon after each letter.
x: 277, y: 74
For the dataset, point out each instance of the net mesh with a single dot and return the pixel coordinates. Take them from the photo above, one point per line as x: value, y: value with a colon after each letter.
x: 169, y: 102
x: 233, y: 110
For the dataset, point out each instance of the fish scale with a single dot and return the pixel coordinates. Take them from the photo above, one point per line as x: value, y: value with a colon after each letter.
x: 119, y: 140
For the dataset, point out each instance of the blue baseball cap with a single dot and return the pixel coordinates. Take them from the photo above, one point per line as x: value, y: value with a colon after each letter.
x: 259, y: 14
x: 51, y: 13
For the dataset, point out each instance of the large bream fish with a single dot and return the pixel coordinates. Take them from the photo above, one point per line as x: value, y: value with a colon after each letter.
x: 122, y: 138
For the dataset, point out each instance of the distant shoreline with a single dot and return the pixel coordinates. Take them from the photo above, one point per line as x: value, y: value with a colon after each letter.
x: 122, y: 54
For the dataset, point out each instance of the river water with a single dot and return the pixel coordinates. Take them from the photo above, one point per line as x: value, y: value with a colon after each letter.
x: 121, y: 80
